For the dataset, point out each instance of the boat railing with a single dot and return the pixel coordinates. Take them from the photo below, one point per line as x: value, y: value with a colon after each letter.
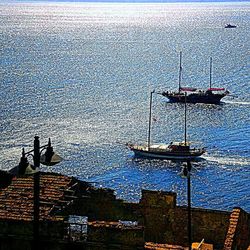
x: 198, y: 150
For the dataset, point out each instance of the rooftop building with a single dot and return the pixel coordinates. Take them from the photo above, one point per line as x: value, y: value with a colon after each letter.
x: 75, y: 214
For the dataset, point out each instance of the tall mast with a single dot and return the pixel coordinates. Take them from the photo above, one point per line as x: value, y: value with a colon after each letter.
x: 180, y: 72
x: 210, y: 76
x: 185, y: 120
x: 149, y: 120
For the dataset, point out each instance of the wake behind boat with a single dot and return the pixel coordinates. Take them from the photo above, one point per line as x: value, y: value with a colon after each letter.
x: 172, y: 151
x: 194, y: 95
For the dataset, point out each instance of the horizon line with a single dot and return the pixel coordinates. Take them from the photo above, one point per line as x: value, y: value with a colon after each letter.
x: 132, y: 1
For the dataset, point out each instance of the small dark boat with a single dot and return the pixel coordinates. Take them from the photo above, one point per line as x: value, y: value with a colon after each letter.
x: 172, y: 151
x: 230, y: 26
x: 194, y: 95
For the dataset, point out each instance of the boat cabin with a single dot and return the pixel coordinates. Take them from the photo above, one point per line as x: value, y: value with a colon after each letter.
x: 179, y: 146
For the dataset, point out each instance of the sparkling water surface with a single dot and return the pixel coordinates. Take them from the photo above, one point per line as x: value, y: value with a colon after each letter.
x: 81, y: 74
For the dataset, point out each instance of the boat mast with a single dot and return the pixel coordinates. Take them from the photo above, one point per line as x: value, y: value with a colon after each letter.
x: 210, y: 77
x: 149, y: 120
x: 185, y: 120
x: 180, y: 72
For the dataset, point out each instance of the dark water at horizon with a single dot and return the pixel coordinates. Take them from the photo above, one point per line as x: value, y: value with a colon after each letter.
x: 81, y: 74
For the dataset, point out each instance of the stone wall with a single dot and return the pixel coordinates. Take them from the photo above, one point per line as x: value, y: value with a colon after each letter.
x: 167, y: 223
x: 115, y: 235
x: 19, y: 234
x: 23, y: 229
x: 164, y: 222
x: 101, y: 204
x: 157, y: 208
x: 204, y: 225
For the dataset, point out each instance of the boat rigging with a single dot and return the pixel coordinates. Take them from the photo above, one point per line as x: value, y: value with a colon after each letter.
x: 172, y: 151
x: 194, y: 95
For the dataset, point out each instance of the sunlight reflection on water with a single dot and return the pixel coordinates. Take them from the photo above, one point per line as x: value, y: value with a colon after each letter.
x: 81, y: 74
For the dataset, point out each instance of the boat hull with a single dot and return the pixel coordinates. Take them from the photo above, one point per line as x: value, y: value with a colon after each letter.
x: 195, y: 98
x: 229, y: 26
x: 168, y: 155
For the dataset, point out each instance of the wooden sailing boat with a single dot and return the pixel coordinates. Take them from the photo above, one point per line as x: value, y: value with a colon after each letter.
x: 172, y: 151
x: 210, y: 96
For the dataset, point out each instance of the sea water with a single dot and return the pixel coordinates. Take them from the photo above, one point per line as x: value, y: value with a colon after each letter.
x: 81, y: 74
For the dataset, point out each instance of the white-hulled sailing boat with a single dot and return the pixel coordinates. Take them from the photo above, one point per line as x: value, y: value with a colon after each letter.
x: 172, y: 151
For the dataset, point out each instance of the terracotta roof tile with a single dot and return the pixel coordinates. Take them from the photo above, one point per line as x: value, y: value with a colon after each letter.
x: 16, y: 200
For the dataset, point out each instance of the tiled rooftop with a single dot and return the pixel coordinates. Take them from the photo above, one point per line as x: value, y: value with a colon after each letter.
x: 16, y: 201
